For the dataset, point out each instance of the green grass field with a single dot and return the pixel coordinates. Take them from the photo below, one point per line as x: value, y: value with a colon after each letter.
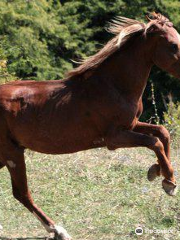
x: 95, y: 195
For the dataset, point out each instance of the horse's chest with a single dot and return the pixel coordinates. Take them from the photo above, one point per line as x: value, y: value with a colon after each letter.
x: 126, y: 117
x: 123, y: 113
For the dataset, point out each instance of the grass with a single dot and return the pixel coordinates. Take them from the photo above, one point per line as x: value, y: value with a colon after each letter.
x: 95, y: 195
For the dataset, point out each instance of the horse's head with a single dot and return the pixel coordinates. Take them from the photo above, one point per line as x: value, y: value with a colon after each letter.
x: 166, y: 39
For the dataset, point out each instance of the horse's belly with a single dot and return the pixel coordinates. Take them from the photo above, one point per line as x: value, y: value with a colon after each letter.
x: 57, y: 140
x: 60, y: 147
x: 57, y: 147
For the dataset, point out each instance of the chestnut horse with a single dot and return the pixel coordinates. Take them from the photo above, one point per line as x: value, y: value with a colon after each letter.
x: 97, y: 105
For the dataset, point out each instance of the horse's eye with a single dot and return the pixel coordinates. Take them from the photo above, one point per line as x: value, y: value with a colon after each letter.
x: 174, y: 47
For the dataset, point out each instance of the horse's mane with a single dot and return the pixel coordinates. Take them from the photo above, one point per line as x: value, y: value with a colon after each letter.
x: 123, y: 28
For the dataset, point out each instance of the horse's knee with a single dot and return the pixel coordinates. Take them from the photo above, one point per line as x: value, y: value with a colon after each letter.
x: 156, y: 145
x: 164, y: 134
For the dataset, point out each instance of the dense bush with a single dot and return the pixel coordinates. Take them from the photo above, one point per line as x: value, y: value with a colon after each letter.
x: 5, y: 76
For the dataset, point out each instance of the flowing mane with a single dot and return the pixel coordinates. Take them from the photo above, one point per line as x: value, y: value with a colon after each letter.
x: 123, y: 28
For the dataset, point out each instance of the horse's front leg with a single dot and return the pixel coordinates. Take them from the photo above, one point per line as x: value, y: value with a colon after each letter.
x: 162, y: 133
x: 118, y: 138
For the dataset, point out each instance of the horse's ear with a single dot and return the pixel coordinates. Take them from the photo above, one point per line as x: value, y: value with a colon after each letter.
x: 154, y: 28
x: 151, y: 16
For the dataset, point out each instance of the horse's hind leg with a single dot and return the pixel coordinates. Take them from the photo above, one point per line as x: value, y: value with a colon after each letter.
x: 14, y: 158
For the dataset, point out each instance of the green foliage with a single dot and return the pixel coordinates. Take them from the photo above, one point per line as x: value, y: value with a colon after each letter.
x: 27, y: 29
x: 4, y: 75
x: 172, y: 120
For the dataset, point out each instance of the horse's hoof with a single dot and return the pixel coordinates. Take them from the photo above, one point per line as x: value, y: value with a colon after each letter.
x: 153, y: 172
x: 61, y: 234
x: 61, y: 237
x: 169, y: 187
x: 57, y: 237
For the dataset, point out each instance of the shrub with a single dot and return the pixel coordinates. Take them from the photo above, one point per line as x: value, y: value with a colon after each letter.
x: 172, y: 120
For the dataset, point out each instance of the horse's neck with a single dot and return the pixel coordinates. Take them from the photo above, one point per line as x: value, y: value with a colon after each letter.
x: 128, y: 69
